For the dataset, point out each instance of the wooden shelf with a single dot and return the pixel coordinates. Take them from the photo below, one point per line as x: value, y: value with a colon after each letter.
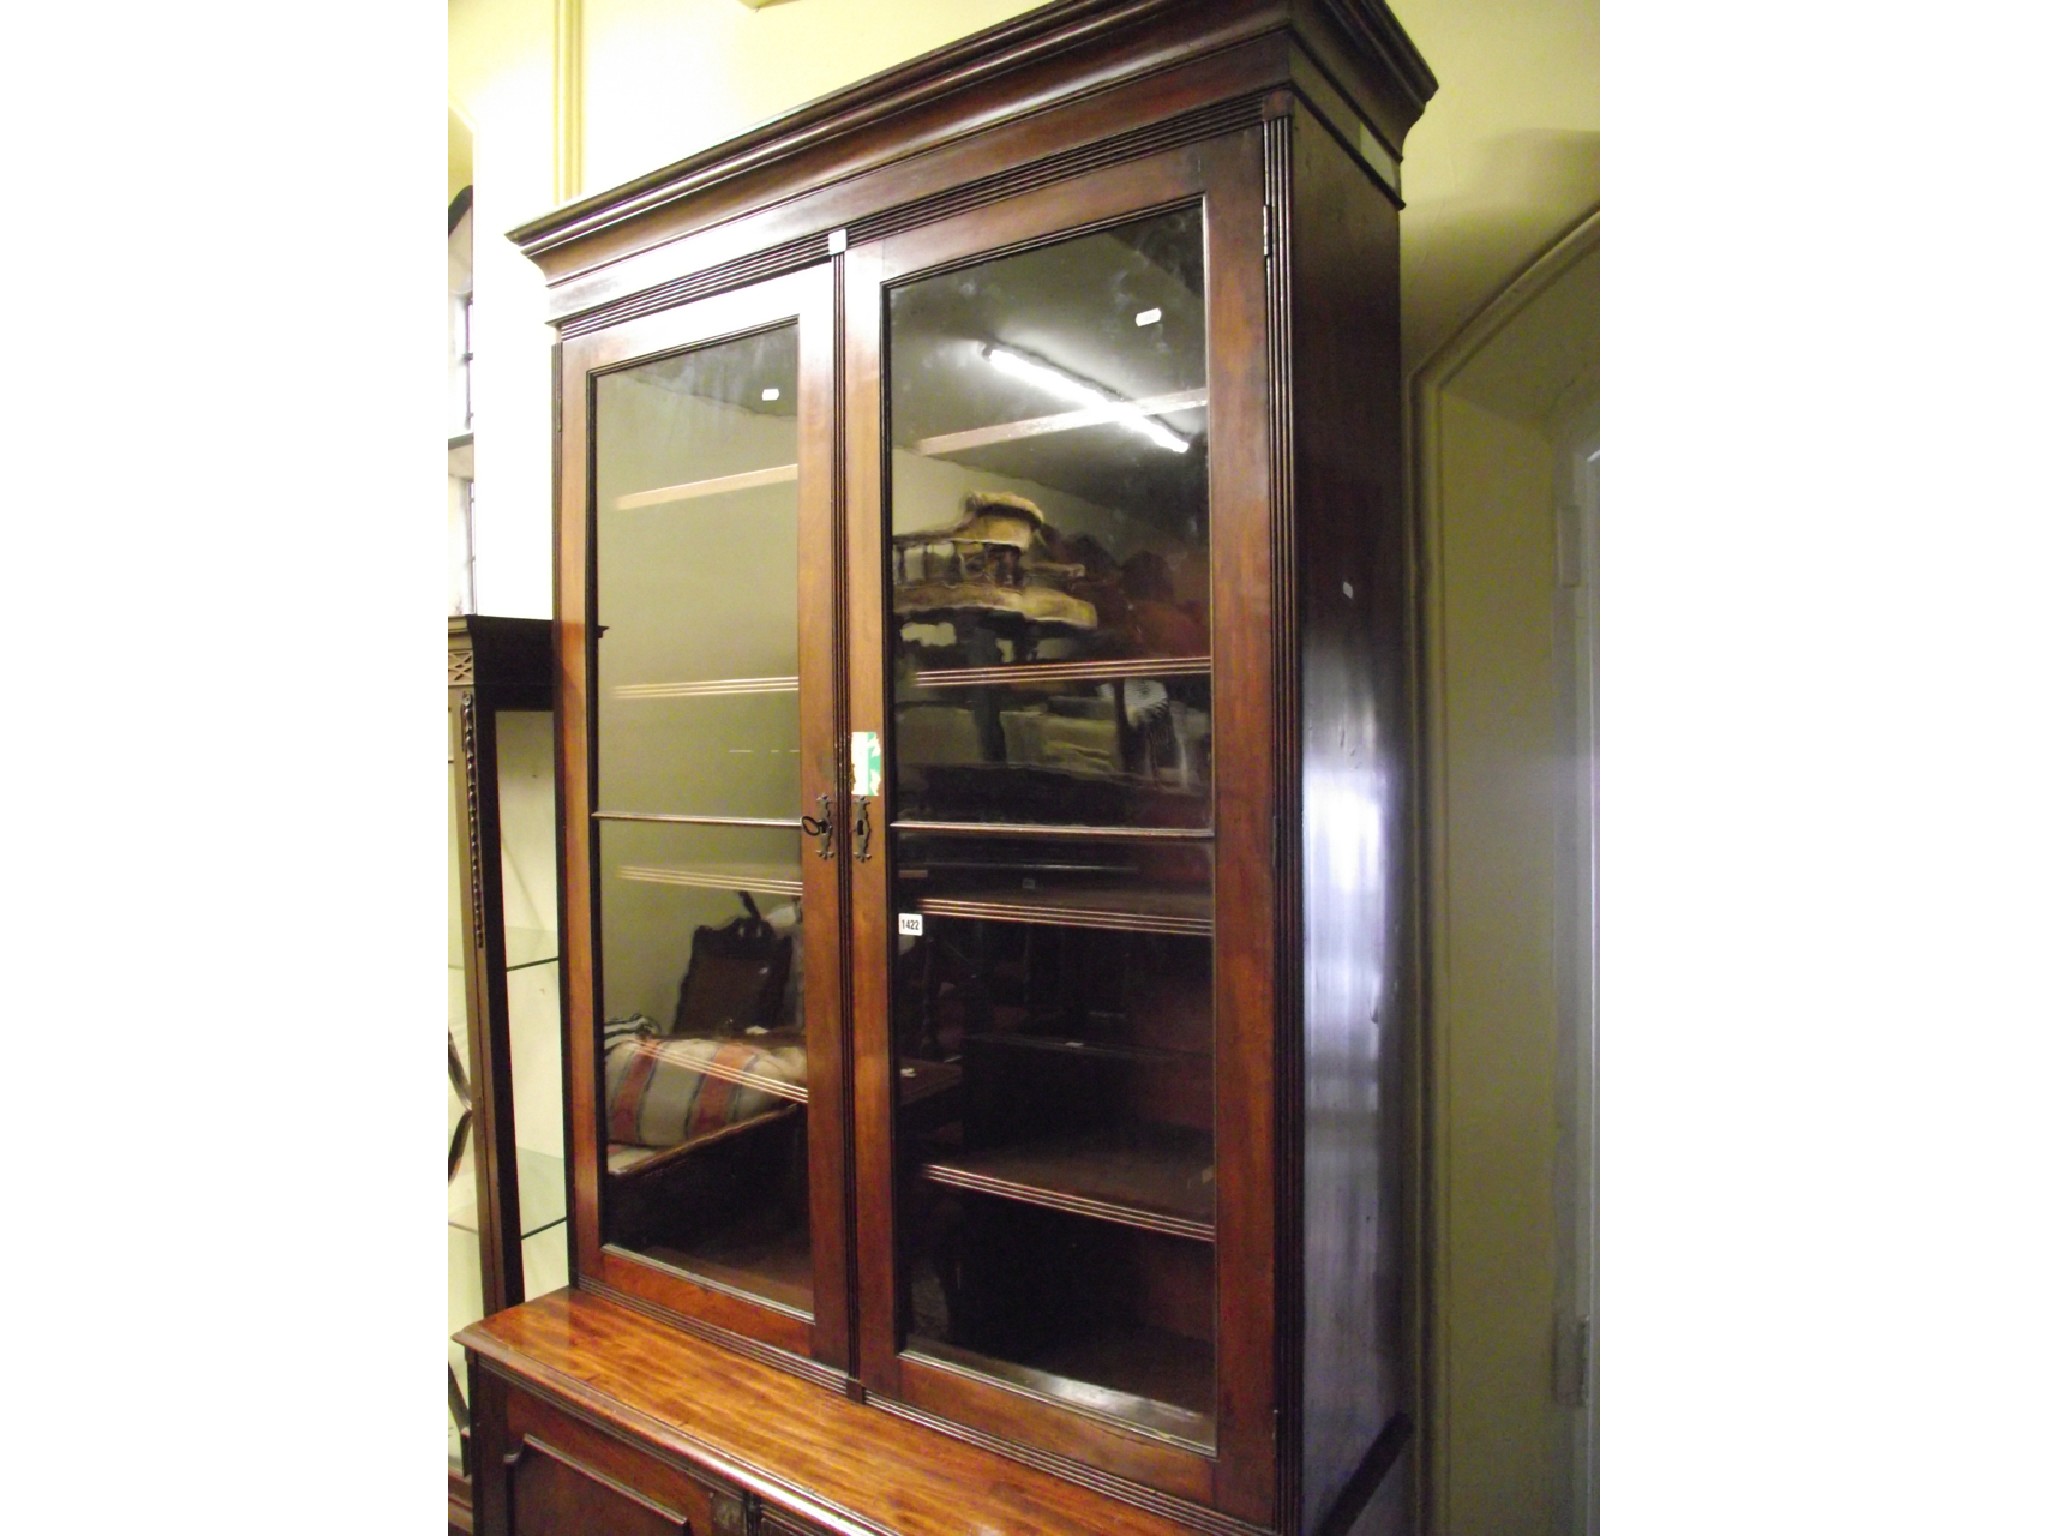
x: 1126, y: 909
x: 691, y: 490
x: 1025, y: 673
x: 1054, y: 831
x: 1143, y: 1377
x: 768, y: 879
x: 715, y: 688
x: 1047, y: 1037
x: 1062, y: 421
x: 1158, y: 1178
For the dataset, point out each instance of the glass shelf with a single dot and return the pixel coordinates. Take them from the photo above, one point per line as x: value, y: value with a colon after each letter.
x: 524, y: 949
x: 543, y: 1194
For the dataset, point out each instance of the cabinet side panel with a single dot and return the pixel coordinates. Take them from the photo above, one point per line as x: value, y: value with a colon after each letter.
x: 1359, y: 1000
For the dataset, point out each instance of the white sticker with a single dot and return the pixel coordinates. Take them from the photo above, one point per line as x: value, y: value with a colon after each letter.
x: 910, y: 924
x: 867, y: 763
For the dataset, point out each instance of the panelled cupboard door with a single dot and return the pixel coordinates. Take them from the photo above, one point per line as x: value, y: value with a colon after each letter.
x: 702, y: 820
x: 1060, y: 614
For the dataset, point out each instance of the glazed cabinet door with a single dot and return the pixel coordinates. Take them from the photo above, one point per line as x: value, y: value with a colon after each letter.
x: 702, y: 812
x: 1061, y: 576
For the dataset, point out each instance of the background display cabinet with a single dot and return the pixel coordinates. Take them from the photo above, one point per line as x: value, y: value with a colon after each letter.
x: 507, y: 1209
x: 984, y: 690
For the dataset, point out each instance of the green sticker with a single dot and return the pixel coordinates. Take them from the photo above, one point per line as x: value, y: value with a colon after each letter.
x: 867, y: 763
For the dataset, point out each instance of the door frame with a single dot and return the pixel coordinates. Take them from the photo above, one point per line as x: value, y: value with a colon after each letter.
x: 1577, y: 1106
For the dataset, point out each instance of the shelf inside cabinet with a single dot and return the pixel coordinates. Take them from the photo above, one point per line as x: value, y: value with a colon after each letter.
x: 767, y: 879
x: 1061, y: 421
x: 1054, y: 831
x: 527, y: 947
x: 712, y: 688
x: 1158, y: 1178
x: 1025, y: 673
x: 543, y: 1195
x: 1143, y: 1377
x: 524, y: 949
x: 1054, y: 1038
x: 692, y: 490
x: 1131, y: 909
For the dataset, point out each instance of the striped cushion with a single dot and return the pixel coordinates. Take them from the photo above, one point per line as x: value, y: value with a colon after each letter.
x: 664, y: 1092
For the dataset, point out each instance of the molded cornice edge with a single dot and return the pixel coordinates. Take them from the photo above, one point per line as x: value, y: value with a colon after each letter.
x: 1372, y: 29
x: 1365, y: 25
x: 994, y: 50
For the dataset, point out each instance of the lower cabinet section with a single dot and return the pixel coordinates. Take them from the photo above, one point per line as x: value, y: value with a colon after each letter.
x: 591, y: 1419
x: 541, y: 1471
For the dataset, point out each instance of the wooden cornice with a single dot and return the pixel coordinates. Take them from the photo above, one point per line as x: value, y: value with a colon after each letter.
x: 971, y: 60
x: 849, y: 131
x: 1372, y: 29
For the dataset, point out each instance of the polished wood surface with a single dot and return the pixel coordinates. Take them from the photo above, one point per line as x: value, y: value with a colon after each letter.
x: 1248, y: 964
x: 1356, y: 771
x: 807, y: 1450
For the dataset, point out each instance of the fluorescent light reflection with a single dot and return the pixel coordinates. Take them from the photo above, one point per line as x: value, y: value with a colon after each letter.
x: 1149, y: 316
x: 1065, y: 386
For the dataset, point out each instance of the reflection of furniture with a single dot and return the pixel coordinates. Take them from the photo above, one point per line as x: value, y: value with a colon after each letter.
x: 500, y: 1193
x: 1211, y: 1173
x: 991, y: 564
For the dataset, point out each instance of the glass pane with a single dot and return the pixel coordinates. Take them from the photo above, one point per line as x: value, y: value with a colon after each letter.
x: 1123, y: 751
x: 1053, y: 1002
x: 533, y: 982
x: 1053, y: 1033
x: 705, y: 1069
x: 1049, y: 515
x: 696, y: 581
x: 700, y: 935
x: 525, y: 757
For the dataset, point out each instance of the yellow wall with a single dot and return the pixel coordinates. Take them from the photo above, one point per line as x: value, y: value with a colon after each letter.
x: 661, y: 79
x: 1504, y: 1102
x: 664, y: 78
x: 1493, y: 1014
x: 1506, y: 157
